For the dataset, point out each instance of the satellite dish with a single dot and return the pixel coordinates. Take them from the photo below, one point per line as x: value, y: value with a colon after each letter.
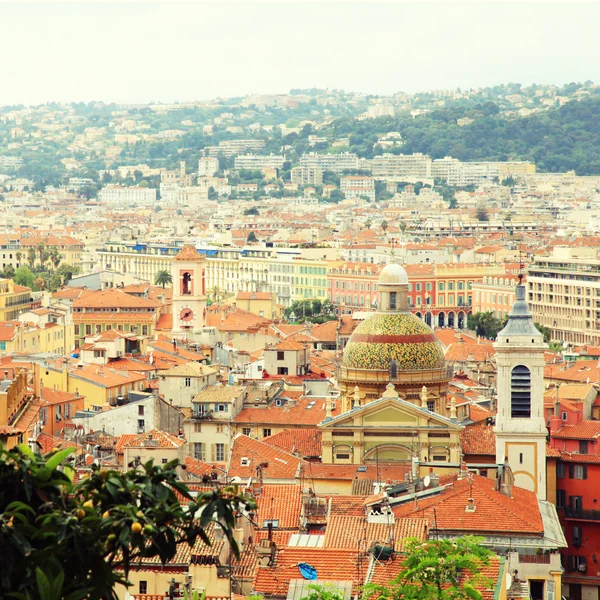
x: 509, y: 581
x: 235, y: 479
x: 427, y: 481
x: 376, y: 490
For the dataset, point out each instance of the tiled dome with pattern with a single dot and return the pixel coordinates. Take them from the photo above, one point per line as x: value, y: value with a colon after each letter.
x: 402, y: 337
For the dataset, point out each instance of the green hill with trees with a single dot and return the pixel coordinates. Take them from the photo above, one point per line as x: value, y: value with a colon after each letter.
x: 559, y: 139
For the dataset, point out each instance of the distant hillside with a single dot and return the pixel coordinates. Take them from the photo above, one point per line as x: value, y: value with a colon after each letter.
x: 559, y: 139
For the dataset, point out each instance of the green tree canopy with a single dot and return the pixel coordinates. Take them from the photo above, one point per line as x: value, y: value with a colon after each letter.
x: 24, y: 276
x: 61, y: 540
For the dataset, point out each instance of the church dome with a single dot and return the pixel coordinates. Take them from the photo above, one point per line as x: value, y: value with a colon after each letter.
x: 393, y: 274
x: 401, y: 337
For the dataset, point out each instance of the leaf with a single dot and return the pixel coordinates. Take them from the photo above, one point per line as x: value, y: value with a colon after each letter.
x: 43, y: 584
x: 26, y: 450
x: 57, y: 458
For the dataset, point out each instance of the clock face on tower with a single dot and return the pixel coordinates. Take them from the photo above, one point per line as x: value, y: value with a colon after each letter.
x: 186, y: 314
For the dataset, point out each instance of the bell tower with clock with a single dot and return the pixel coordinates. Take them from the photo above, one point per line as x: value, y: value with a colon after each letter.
x: 188, y: 271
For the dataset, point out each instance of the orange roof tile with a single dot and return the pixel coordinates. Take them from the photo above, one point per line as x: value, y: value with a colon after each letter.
x: 480, y: 440
x: 302, y: 442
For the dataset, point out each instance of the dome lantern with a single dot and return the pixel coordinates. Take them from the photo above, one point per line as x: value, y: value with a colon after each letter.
x: 393, y: 288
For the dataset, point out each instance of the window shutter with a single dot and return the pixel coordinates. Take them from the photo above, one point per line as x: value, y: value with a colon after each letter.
x: 226, y: 453
x: 212, y: 453
x: 584, y: 471
x: 571, y: 471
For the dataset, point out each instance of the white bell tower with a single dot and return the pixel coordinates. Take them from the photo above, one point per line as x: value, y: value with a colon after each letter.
x: 188, y: 271
x: 520, y: 425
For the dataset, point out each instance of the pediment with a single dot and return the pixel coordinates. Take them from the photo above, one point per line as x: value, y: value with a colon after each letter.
x: 390, y: 412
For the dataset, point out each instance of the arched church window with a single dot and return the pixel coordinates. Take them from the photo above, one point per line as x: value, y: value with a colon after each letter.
x: 393, y: 369
x: 520, y: 392
x: 187, y: 283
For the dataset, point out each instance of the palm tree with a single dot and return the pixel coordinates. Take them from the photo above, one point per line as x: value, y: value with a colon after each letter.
x: 384, y: 225
x: 55, y: 257
x: 19, y: 256
x: 41, y: 249
x: 163, y: 278
x: 215, y: 293
x: 39, y: 283
x: 31, y: 254
x: 45, y: 257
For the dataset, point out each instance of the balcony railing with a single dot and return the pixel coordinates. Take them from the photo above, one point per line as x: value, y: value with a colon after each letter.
x: 537, y: 559
x: 582, y: 513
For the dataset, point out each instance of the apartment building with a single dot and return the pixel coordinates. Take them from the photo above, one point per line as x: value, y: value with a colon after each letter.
x: 14, y: 299
x: 208, y: 166
x: 330, y: 162
x: 356, y: 186
x: 234, y: 147
x: 124, y: 196
x: 307, y: 175
x: 564, y: 294
x: 254, y: 161
x: 495, y: 295
x: 310, y: 279
x: 401, y: 167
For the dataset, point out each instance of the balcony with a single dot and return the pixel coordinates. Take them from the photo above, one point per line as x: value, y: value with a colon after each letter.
x: 583, y: 514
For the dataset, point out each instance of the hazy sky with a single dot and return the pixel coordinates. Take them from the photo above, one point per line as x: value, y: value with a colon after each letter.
x: 141, y: 52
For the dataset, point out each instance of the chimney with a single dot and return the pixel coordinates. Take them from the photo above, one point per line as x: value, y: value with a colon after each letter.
x: 507, y: 479
x: 453, y: 409
x: 470, y: 505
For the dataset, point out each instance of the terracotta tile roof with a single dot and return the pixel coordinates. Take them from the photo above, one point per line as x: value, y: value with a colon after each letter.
x: 463, y: 352
x: 219, y: 393
x: 552, y: 452
x: 584, y: 430
x: 571, y: 391
x: 51, y: 396
x: 163, y: 439
x: 113, y: 298
x: 281, y: 465
x: 189, y: 252
x: 197, y: 468
x: 105, y: 377
x: 114, y: 317
x: 299, y: 414
x: 387, y: 472
x: 347, y: 532
x: 583, y: 371
x: 236, y: 320
x: 480, y: 440
x: 281, y: 502
x: 191, y: 369
x: 49, y: 442
x: 303, y: 442
x: 326, y: 332
x: 253, y: 295
x: 179, y: 352
x: 574, y: 457
x: 477, y: 412
x: 494, y: 513
x: 332, y: 565
x: 165, y: 322
x: 347, y: 506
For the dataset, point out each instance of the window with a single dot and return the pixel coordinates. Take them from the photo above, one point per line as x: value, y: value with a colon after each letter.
x: 583, y: 446
x: 273, y: 522
x: 266, y: 432
x: 197, y: 427
x: 220, y: 452
x: 220, y: 428
x: 520, y: 392
x: 141, y: 425
x: 280, y: 355
x: 188, y: 382
x: 246, y: 431
x: 221, y: 408
x: 342, y: 456
x: 561, y: 471
x: 282, y: 370
x: 392, y: 300
x: 141, y: 410
x: 88, y: 330
x: 520, y: 458
x: 143, y: 587
x: 575, y: 503
x: 164, y: 461
x: 578, y: 471
x: 199, y: 451
x: 561, y: 498
x: 576, y: 536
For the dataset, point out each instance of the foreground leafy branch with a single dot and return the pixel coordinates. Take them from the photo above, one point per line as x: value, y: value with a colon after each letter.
x: 60, y: 539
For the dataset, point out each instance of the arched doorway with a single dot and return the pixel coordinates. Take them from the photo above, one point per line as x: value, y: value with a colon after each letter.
x: 461, y: 320
x: 442, y: 319
x: 428, y: 318
x: 451, y: 316
x: 419, y: 315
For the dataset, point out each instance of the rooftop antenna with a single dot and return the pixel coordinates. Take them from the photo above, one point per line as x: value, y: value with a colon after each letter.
x: 521, y: 266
